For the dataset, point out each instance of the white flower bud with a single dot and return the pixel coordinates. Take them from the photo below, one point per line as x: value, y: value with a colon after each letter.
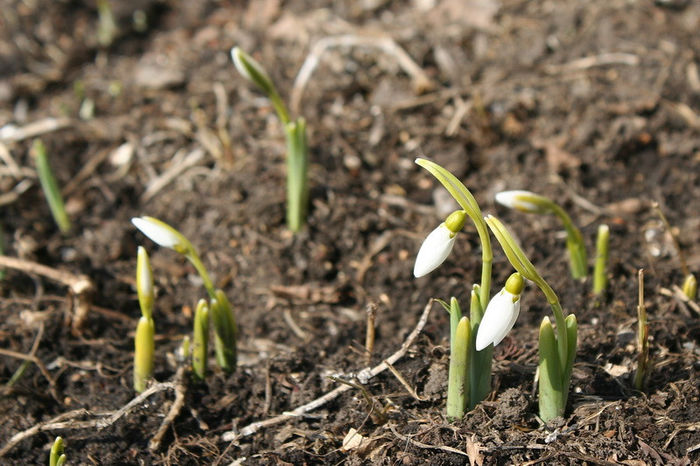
x: 500, y: 314
x: 524, y: 201
x: 434, y: 250
x: 159, y: 232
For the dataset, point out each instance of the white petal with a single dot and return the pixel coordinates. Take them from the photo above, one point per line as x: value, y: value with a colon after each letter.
x: 499, y: 318
x: 514, y: 200
x: 159, y: 232
x: 433, y: 251
x: 236, y: 56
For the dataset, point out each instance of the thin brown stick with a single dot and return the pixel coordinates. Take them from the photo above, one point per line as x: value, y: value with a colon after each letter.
x: 32, y: 358
x: 364, y: 376
x: 175, y: 408
x: 68, y: 420
x: 421, y: 81
x: 80, y: 285
x: 403, y: 382
x: 369, y: 337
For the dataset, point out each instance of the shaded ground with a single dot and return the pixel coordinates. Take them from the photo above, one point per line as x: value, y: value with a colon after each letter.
x: 593, y: 104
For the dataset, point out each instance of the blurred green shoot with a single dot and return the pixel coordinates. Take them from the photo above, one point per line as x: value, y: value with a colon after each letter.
x: 690, y: 286
x: 57, y: 457
x: 106, y: 26
x: 690, y: 283
x: 529, y: 202
x: 50, y: 187
x: 222, y: 314
x: 479, y: 362
x: 144, y: 341
x: 2, y: 251
x: 556, y: 353
x: 600, y: 276
x: 200, y: 342
x: 640, y: 376
x: 295, y: 134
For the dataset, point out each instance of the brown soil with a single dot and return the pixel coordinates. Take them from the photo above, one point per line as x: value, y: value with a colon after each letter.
x: 596, y: 104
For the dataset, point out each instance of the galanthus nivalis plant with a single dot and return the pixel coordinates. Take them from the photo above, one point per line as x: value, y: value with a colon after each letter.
x: 295, y: 134
x: 556, y: 352
x: 473, y: 376
x: 222, y: 315
x: 529, y: 202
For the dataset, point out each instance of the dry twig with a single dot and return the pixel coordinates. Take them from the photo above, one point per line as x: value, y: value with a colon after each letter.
x: 421, y: 81
x: 364, y: 377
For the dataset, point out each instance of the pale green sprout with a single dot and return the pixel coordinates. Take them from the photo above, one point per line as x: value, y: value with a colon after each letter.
x: 50, y: 187
x: 556, y: 352
x: 200, y: 342
x: 295, y: 134
x: 690, y: 286
x: 529, y: 202
x: 224, y: 321
x: 479, y: 362
x: 57, y: 457
x: 106, y: 27
x: 144, y: 341
x: 600, y: 276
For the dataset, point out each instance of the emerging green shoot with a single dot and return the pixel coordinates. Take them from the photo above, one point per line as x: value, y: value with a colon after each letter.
x: 57, y: 456
x: 200, y: 342
x: 435, y: 249
x: 219, y: 308
x: 600, y: 276
x: 144, y: 341
x: 225, y: 331
x: 526, y: 201
x: 50, y: 187
x: 641, y: 374
x: 458, y: 378
x: 690, y: 286
x: 106, y: 26
x: 295, y: 135
x: 556, y: 352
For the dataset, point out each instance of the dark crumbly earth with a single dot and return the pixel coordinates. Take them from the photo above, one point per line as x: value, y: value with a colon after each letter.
x: 595, y: 104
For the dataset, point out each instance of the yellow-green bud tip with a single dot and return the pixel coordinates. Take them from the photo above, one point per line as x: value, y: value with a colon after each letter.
x: 455, y: 221
x: 690, y: 286
x: 515, y: 284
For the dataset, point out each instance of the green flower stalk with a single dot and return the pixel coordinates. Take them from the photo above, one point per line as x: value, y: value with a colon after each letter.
x: 526, y: 201
x: 435, y: 250
x: 50, y: 187
x: 600, y: 277
x: 200, y: 342
x: 144, y: 341
x: 225, y: 331
x: 57, y: 457
x: 556, y: 352
x: 295, y: 135
x: 221, y: 313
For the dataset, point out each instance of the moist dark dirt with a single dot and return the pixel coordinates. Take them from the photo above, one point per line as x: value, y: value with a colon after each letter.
x: 594, y: 104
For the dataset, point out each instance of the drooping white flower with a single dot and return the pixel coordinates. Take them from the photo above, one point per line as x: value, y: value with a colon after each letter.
x: 438, y: 245
x: 524, y: 201
x: 160, y: 232
x: 501, y: 313
x: 250, y: 69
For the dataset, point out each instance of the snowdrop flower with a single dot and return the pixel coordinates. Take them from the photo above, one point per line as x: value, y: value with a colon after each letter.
x: 250, y: 69
x: 524, y: 201
x: 500, y: 314
x: 438, y: 245
x: 161, y: 233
